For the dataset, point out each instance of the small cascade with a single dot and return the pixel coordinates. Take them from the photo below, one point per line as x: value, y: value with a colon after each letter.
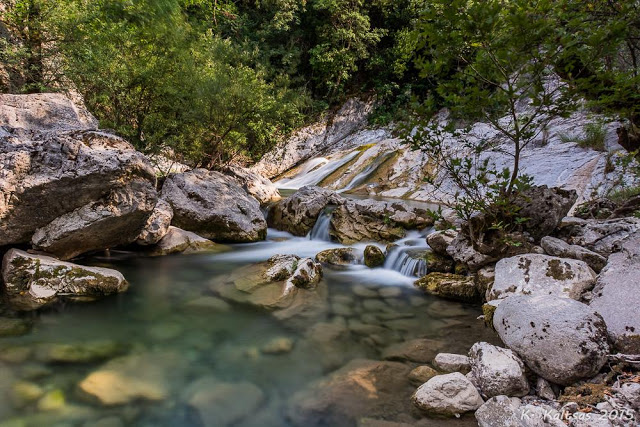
x: 312, y: 174
x: 366, y: 173
x: 407, y: 261
x: 320, y: 230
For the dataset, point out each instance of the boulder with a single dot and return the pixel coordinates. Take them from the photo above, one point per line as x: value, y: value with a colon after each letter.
x: 497, y: 371
x: 281, y: 267
x: 90, y: 351
x: 421, y: 375
x: 484, y: 278
x: 512, y: 412
x: 177, y: 241
x: 534, y: 274
x: 437, y: 263
x: 373, y: 256
x: 54, y: 164
x: 34, y: 281
x: 299, y: 212
x: 127, y: 379
x: 307, y: 274
x: 450, y: 362
x: 616, y: 296
x: 559, y: 248
x: 447, y: 395
x: 361, y: 388
x: 112, y: 221
x: 544, y: 208
x: 157, y: 225
x: 601, y: 236
x: 214, y: 206
x: 462, y: 251
x: 440, y: 240
x: 371, y: 220
x: 263, y: 190
x: 558, y: 338
x: 338, y: 256
x: 448, y: 285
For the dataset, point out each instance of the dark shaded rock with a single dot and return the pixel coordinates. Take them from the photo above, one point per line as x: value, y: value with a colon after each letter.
x: 299, y: 212
x: 373, y: 256
x: 544, y: 207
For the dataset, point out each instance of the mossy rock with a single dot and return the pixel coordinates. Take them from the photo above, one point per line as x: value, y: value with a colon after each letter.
x: 373, y: 256
x: 337, y: 257
x: 439, y: 263
x: 448, y: 285
x: 488, y: 310
x: 82, y: 352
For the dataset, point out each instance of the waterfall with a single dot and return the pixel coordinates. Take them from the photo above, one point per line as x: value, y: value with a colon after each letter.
x: 407, y: 261
x: 320, y: 230
x: 367, y: 172
x: 312, y: 175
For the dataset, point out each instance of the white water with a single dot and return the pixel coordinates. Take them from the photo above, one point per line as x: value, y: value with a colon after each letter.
x: 366, y: 172
x: 320, y: 230
x: 399, y: 258
x: 310, y: 176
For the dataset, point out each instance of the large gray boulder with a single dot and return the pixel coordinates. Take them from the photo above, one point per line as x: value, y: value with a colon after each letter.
x: 299, y: 212
x: 34, y: 281
x: 447, y: 395
x: 54, y: 164
x: 254, y: 184
x: 556, y: 247
x: 497, y: 371
x: 112, y: 221
x: 214, y: 206
x: 558, y: 338
x: 601, y: 236
x: 617, y: 296
x: 534, y: 274
x: 157, y: 225
x: 180, y: 241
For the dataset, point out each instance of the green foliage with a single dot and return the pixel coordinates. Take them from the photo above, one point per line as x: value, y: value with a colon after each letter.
x: 594, y: 137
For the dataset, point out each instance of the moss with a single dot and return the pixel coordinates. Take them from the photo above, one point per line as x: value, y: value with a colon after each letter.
x: 447, y: 285
x: 559, y: 270
x: 585, y: 395
x: 488, y: 310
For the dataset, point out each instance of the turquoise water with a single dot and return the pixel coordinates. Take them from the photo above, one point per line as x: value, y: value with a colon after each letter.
x: 166, y: 321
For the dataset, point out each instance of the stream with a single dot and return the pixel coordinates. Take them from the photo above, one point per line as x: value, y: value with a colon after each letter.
x: 167, y: 316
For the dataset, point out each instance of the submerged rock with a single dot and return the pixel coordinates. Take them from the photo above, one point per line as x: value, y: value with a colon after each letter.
x: 33, y: 281
x: 299, y: 212
x: 11, y: 327
x: 373, y: 256
x: 617, y: 296
x: 157, y: 225
x: 81, y: 352
x: 560, y: 339
x: 534, y: 274
x: 419, y: 350
x: 214, y: 206
x: 447, y: 285
x: 361, y: 388
x: 497, y: 371
x: 177, y: 240
x: 447, y: 395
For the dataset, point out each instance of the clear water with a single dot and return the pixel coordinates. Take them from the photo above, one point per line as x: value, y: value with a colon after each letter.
x: 154, y: 317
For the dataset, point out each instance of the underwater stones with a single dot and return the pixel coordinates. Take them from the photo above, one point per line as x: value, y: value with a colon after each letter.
x: 447, y: 395
x: 34, y: 281
x: 177, y: 240
x: 422, y: 374
x: 616, y: 296
x: 373, y: 256
x: 299, y: 212
x: 219, y: 403
x: 52, y: 400
x: 157, y: 224
x: 278, y: 345
x: 558, y: 338
x: 448, y: 285
x: 337, y: 256
x: 534, y: 274
x: 362, y: 388
x: 560, y: 248
x: 208, y: 303
x: 419, y: 350
x: 142, y: 376
x: 214, y: 206
x: 497, y: 371
x: 11, y: 327
x: 24, y: 392
x: 450, y: 362
x: 80, y: 352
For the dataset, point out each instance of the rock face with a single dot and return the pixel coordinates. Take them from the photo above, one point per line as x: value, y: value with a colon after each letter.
x: 461, y: 250
x: 214, y: 206
x: 440, y: 240
x: 373, y: 256
x: 601, y: 236
x: 254, y: 184
x: 560, y: 339
x: 544, y: 207
x: 360, y: 388
x: 33, y: 281
x: 157, y: 225
x: 447, y: 285
x: 448, y: 395
x: 56, y: 167
x: 361, y: 220
x: 177, y: 240
x: 617, y: 295
x: 534, y: 274
x: 299, y: 212
x: 497, y: 371
x: 560, y: 248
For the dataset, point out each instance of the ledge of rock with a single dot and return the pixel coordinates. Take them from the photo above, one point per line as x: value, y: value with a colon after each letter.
x: 34, y: 281
x: 263, y: 190
x: 214, y: 206
x: 448, y: 285
x: 180, y: 241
